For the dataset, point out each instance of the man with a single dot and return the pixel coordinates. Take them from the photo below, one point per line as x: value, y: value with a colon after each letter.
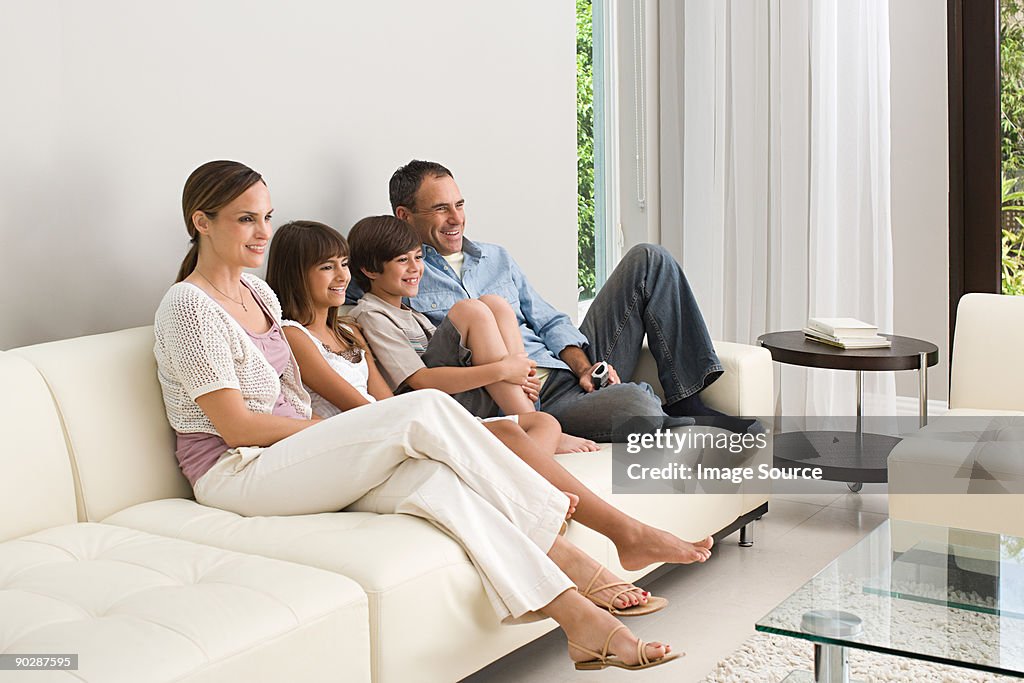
x: 646, y: 294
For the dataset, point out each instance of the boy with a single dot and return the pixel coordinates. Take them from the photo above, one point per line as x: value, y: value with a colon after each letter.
x: 476, y: 354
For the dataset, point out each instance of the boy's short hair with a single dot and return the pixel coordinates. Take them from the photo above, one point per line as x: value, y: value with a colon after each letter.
x: 374, y: 241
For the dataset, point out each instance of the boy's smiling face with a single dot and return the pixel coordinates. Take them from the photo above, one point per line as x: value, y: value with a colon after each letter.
x: 400, y: 277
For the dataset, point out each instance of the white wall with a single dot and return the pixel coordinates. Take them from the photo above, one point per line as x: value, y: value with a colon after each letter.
x: 108, y: 105
x: 920, y: 182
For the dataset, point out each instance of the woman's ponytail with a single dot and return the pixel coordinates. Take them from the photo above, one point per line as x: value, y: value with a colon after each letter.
x: 189, y: 264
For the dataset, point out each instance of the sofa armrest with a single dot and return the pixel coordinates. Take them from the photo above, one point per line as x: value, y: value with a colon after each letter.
x: 745, y: 388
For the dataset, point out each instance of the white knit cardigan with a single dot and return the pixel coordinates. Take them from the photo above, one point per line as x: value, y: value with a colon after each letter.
x: 200, y: 349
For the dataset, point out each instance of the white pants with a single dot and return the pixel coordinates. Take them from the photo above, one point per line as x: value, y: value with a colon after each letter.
x: 420, y: 454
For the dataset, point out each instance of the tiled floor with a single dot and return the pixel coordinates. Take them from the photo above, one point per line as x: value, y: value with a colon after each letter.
x: 714, y: 606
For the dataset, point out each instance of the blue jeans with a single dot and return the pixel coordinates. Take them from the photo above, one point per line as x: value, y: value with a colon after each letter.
x: 647, y: 294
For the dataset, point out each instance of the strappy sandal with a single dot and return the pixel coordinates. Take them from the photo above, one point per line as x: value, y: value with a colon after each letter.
x: 652, y: 605
x: 602, y: 660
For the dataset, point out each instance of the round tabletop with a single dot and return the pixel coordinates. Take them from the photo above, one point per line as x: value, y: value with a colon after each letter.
x: 793, y: 348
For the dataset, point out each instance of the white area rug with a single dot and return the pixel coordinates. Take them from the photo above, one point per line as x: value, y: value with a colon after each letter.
x: 770, y: 659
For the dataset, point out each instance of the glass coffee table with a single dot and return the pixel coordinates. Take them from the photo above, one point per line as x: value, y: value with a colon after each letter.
x: 938, y: 594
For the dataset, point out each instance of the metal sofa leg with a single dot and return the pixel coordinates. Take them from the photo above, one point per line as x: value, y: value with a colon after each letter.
x: 746, y: 535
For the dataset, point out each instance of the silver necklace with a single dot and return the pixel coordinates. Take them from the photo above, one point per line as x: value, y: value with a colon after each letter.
x: 240, y: 300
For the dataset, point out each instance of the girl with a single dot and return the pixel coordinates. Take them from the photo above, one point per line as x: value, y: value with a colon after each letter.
x: 248, y: 442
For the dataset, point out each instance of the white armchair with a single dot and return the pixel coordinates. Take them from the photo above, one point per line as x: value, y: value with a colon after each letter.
x: 986, y: 397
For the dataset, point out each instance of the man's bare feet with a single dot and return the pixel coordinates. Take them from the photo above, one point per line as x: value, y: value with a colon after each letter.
x: 575, y: 444
x: 652, y: 545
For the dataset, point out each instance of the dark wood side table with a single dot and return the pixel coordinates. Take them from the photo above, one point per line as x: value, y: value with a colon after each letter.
x: 856, y: 457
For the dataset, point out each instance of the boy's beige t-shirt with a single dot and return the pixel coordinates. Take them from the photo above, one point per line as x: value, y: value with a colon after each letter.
x: 398, y: 337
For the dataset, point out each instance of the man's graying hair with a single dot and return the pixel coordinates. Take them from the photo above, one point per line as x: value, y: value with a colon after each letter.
x: 407, y: 179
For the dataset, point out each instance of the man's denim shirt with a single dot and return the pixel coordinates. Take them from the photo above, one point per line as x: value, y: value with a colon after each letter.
x: 489, y: 269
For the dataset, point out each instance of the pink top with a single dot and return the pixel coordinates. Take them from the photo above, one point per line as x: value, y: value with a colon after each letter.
x: 198, y: 452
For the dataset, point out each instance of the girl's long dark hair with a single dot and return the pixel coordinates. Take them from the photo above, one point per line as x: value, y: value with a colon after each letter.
x: 297, y: 247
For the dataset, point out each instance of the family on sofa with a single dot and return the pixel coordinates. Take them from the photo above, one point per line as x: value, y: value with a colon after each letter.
x: 239, y: 389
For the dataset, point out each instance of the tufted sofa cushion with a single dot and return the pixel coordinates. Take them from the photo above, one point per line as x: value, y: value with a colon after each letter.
x: 413, y: 577
x: 136, y: 607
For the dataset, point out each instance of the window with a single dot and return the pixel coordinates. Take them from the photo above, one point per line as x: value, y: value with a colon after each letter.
x: 1011, y: 96
x: 974, y: 149
x: 596, y: 142
x: 586, y: 275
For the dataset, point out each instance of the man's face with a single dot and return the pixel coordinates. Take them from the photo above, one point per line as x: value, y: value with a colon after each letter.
x: 438, y: 216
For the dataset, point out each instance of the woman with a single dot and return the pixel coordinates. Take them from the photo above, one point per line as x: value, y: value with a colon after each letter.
x: 247, y: 440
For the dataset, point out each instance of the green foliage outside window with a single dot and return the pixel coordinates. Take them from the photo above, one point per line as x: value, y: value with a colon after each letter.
x: 1012, y: 253
x: 585, y: 275
x: 1011, y: 57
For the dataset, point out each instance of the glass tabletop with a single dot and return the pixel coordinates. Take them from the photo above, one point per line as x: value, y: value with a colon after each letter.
x: 935, y: 593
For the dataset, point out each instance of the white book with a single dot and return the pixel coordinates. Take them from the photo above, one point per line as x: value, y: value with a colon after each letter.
x: 842, y: 327
x: 875, y: 342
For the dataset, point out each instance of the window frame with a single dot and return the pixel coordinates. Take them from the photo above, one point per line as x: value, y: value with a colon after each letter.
x: 975, y: 135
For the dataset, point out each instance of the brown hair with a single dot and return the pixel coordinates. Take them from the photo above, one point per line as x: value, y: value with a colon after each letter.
x: 210, y: 188
x: 298, y: 247
x: 374, y: 241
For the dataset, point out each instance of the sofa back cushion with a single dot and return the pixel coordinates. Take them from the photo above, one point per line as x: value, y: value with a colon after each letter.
x: 987, y: 372
x: 109, y: 400
x: 36, y: 490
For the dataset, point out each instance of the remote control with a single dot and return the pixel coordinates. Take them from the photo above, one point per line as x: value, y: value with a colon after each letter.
x: 600, y: 375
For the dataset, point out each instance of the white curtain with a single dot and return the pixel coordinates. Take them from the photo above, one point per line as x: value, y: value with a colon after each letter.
x: 774, y: 152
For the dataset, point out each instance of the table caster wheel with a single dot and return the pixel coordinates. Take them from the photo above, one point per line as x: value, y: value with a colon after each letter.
x: 856, y: 486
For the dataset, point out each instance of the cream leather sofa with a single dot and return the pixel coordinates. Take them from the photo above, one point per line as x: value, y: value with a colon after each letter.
x: 132, y: 605
x: 104, y: 553
x: 984, y: 426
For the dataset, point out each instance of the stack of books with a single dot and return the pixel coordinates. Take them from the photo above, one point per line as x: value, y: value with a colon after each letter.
x: 846, y: 333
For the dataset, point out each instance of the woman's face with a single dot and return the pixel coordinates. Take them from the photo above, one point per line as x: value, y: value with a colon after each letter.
x: 239, y: 234
x: 327, y: 282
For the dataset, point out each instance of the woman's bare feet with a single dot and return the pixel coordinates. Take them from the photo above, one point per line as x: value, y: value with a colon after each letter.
x: 586, y: 572
x: 650, y: 545
x: 575, y: 444
x: 707, y: 543
x: 587, y: 638
x: 584, y: 623
x: 574, y: 500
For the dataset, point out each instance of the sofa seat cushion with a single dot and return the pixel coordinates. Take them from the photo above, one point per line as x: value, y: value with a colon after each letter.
x: 135, y: 606
x: 413, y: 574
x: 965, y: 469
x: 966, y: 452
